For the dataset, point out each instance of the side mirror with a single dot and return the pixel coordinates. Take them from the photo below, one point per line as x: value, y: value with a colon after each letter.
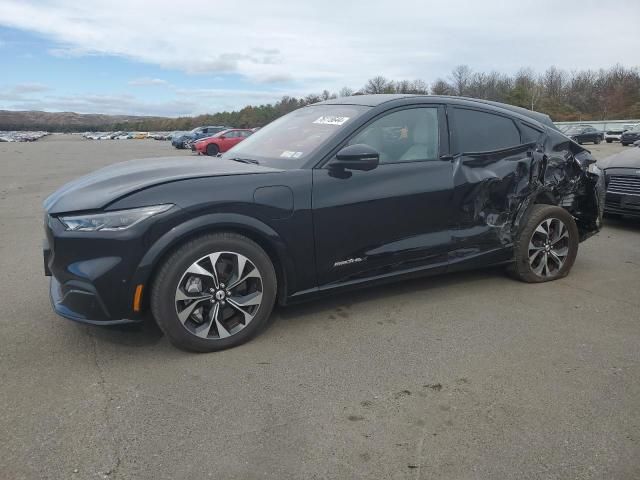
x: 356, y: 157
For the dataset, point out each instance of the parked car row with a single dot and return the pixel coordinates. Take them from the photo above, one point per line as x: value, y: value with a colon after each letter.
x: 21, y: 136
x: 588, y: 133
x: 615, y: 134
x: 121, y: 135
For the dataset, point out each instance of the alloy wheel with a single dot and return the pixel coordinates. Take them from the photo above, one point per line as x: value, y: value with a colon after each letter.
x: 548, y: 247
x: 218, y: 295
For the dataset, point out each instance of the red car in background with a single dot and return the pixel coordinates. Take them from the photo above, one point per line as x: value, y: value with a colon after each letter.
x: 220, y: 142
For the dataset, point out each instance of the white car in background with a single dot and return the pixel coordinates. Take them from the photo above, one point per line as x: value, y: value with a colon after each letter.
x: 613, y: 134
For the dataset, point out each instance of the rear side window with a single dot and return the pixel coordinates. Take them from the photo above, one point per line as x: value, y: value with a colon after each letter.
x: 529, y: 134
x: 476, y: 131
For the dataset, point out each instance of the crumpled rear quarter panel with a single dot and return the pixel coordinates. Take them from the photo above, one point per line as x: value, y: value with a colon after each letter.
x: 492, y: 192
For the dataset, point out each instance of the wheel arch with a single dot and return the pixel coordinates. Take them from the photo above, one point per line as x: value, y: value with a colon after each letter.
x: 252, y: 228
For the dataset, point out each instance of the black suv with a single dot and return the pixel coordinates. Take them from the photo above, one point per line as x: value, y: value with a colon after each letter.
x: 630, y: 136
x: 584, y: 134
x: 338, y: 195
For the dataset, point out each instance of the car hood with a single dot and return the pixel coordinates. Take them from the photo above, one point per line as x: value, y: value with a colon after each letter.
x: 627, y: 159
x: 98, y: 189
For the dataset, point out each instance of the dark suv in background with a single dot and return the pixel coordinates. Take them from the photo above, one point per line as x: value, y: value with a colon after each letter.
x: 187, y: 139
x: 630, y: 136
x: 584, y: 134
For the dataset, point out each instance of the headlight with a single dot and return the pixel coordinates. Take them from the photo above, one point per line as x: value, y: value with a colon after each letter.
x: 112, y: 221
x: 593, y: 168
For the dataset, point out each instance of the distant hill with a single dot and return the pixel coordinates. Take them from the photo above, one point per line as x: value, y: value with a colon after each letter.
x: 65, y: 121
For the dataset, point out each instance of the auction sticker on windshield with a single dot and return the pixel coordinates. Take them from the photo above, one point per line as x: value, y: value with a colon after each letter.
x: 331, y: 120
x: 289, y: 154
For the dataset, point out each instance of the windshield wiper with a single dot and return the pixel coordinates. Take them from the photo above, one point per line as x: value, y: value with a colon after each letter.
x: 245, y: 160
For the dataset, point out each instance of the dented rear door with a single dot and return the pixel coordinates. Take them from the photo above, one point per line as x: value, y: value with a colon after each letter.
x: 492, y: 159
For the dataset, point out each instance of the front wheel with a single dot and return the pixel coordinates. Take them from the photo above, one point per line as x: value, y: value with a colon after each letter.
x: 597, y: 141
x: 547, y: 245
x: 609, y: 141
x: 214, y: 292
x: 624, y: 144
x: 212, y: 149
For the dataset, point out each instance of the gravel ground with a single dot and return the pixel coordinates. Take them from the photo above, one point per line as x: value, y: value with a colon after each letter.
x: 463, y: 376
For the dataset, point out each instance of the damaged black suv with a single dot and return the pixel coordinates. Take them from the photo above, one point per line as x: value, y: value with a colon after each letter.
x: 342, y: 194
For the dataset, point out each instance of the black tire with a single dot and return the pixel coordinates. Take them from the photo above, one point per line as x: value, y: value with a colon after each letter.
x: 609, y: 141
x: 597, y: 141
x: 165, y: 283
x: 624, y: 144
x: 212, y: 150
x: 522, y: 268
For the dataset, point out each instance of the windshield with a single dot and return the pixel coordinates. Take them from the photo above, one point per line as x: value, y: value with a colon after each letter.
x: 635, y: 128
x: 290, y: 140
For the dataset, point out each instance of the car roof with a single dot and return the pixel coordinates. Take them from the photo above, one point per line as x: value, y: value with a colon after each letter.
x: 379, y: 99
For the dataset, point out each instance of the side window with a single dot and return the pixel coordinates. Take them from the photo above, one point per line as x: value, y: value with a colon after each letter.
x: 232, y: 134
x: 404, y: 136
x: 529, y: 134
x: 476, y: 131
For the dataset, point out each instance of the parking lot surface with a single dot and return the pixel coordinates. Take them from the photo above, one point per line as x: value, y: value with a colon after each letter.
x: 463, y: 376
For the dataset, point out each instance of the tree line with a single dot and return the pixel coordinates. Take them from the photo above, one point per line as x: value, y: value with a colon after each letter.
x: 583, y: 95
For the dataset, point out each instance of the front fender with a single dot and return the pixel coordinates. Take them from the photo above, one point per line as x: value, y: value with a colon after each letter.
x: 251, y: 226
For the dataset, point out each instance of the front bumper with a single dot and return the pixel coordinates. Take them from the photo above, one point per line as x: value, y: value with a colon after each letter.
x: 92, y: 273
x: 623, y: 192
x: 620, y: 204
x: 80, y: 302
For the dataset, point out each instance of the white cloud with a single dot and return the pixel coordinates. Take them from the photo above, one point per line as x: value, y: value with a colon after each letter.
x: 147, y: 82
x: 21, y: 91
x: 185, y: 101
x: 334, y: 43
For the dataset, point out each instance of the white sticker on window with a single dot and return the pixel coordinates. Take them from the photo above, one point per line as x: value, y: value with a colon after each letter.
x: 290, y: 154
x: 331, y: 120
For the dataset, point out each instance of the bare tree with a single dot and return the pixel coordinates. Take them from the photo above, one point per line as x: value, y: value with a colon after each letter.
x: 345, y: 92
x: 312, y: 98
x: 460, y: 79
x: 378, y: 84
x: 419, y: 87
x: 440, y: 87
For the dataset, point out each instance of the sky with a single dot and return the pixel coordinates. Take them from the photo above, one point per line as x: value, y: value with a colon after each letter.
x: 186, y: 57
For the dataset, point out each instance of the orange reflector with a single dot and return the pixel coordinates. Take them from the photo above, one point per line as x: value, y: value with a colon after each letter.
x: 137, y: 297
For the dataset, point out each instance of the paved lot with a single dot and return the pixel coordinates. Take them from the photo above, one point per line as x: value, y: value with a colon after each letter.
x: 466, y: 376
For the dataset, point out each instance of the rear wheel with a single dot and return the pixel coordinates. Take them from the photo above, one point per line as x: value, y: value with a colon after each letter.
x: 597, y: 141
x: 212, y: 149
x: 609, y: 141
x: 547, y: 245
x: 624, y: 144
x: 214, y: 292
